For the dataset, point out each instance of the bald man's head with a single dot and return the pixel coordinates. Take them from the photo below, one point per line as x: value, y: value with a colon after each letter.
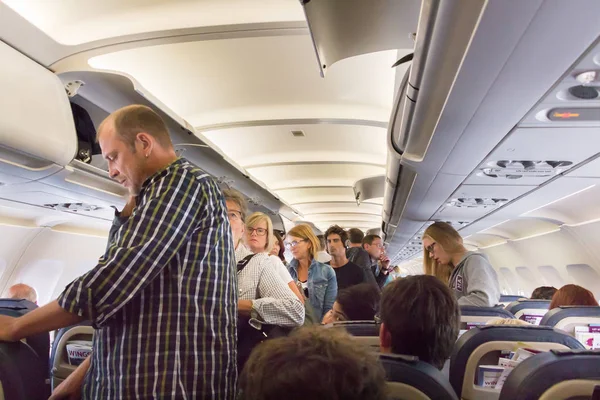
x: 22, y: 291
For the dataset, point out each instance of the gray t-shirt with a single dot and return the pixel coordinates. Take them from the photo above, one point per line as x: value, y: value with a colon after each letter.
x: 474, y: 281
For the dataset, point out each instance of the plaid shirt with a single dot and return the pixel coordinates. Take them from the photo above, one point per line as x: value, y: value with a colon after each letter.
x: 163, y: 297
x: 272, y: 299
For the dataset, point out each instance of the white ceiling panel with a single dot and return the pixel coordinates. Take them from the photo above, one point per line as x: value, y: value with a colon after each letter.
x: 72, y: 22
x: 222, y: 81
x: 317, y: 195
x: 345, y: 217
x: 311, y: 175
x: 337, y: 207
x: 322, y: 142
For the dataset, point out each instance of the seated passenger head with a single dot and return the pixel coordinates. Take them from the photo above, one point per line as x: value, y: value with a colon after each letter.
x: 259, y: 233
x: 312, y: 363
x: 22, y: 291
x: 236, y: 212
x: 441, y: 245
x: 355, y: 303
x: 278, y: 247
x: 136, y: 144
x: 356, y: 237
x: 573, y: 295
x: 373, y: 245
x: 543, y: 293
x: 420, y: 317
x: 507, y: 321
x: 336, y: 239
x: 302, y: 242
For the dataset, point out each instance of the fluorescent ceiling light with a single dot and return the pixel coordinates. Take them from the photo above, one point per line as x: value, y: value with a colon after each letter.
x: 535, y: 235
x: 590, y: 221
x: 494, y: 245
x: 493, y: 226
x: 557, y: 200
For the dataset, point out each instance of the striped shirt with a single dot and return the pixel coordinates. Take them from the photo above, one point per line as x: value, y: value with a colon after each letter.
x: 163, y: 298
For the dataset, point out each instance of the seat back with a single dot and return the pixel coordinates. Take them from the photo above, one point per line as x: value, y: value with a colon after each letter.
x: 555, y: 375
x: 40, y: 342
x: 482, y: 346
x: 22, y: 375
x: 472, y: 316
x: 59, y: 359
x: 364, y: 332
x: 531, y: 311
x: 410, y: 379
x: 567, y: 318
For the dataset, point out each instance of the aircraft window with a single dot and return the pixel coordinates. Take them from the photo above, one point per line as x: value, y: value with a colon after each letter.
x: 585, y: 276
x: 504, y: 279
x: 43, y: 275
x: 528, y: 280
x: 551, y: 277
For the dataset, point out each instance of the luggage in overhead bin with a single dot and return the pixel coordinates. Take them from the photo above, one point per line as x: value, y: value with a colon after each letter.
x: 86, y: 134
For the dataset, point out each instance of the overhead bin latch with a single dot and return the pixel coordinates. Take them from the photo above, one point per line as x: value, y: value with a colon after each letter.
x: 72, y: 87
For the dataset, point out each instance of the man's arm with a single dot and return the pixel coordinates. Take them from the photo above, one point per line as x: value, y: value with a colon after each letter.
x: 70, y: 388
x: 145, y: 244
x: 43, y: 319
x: 331, y: 292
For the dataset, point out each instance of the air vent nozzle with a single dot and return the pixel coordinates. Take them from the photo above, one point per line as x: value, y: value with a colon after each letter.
x: 476, y: 202
x: 298, y: 134
x: 517, y: 169
x: 73, y: 207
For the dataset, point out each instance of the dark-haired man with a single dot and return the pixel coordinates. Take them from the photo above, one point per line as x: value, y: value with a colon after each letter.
x: 163, y: 296
x: 380, y: 263
x: 419, y: 317
x: 346, y: 272
x: 356, y: 254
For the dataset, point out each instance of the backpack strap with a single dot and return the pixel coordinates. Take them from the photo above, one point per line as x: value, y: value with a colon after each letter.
x: 242, y: 263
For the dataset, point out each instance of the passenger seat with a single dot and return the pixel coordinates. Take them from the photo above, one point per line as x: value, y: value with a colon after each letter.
x: 22, y: 375
x: 366, y: 333
x: 531, y: 311
x: 472, y: 316
x: 483, y: 346
x: 556, y: 375
x: 60, y: 366
x: 411, y: 379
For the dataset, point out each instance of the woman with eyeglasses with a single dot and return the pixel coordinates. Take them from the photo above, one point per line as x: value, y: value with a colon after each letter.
x: 469, y: 274
x: 260, y: 239
x: 316, y: 279
x: 355, y: 303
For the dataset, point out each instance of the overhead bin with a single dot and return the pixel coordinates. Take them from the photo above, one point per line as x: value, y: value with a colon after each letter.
x: 37, y: 133
x: 109, y: 91
x: 345, y: 28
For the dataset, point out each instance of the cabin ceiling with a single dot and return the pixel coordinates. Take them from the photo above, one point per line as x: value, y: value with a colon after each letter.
x: 244, y: 93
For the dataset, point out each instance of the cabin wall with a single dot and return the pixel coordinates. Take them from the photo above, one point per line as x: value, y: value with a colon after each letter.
x: 46, y: 259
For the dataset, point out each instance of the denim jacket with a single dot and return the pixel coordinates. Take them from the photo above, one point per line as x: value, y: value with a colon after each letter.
x: 322, y: 285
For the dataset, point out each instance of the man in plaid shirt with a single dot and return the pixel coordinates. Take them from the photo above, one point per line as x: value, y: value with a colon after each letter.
x: 163, y: 297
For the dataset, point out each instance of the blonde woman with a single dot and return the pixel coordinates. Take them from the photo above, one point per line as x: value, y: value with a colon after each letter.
x: 318, y: 280
x: 260, y: 239
x: 469, y: 274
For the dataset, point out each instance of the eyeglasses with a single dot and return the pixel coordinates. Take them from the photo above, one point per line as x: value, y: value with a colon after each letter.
x: 291, y: 245
x: 429, y: 248
x: 259, y: 231
x: 234, y: 215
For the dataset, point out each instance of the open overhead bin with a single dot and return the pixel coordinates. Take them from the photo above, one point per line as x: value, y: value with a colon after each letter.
x: 106, y: 92
x: 346, y: 28
x: 37, y: 133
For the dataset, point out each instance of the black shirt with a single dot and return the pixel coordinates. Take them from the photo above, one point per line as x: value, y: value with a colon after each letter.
x: 348, y: 275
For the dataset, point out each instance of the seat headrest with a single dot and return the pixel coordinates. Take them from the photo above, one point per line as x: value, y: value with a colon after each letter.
x: 472, y: 311
x: 535, y: 375
x: 472, y: 339
x: 357, y: 328
x: 555, y: 315
x: 527, y: 304
x: 21, y: 305
x: 410, y: 371
x: 510, y: 297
